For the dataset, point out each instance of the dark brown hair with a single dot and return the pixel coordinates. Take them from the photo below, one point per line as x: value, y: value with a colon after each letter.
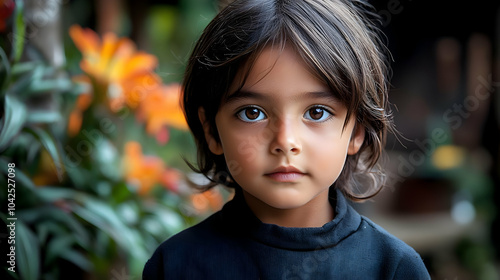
x: 338, y: 40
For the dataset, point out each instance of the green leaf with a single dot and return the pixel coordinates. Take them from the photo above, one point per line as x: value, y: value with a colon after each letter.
x: 171, y: 221
x: 32, y: 149
x: 50, y: 214
x: 121, y: 192
x: 52, y: 194
x: 78, y: 89
x: 57, y: 246
x: 43, y: 231
x: 20, y: 88
x: 50, y: 146
x: 46, y: 229
x: 78, y: 259
x: 6, y: 66
x: 102, y: 216
x: 18, y: 37
x: 128, y: 212
x: 12, y: 121
x: 44, y: 117
x: 23, y: 67
x: 43, y: 86
x: 27, y: 252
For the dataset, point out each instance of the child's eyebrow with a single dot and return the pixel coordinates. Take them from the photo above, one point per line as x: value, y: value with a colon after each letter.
x: 321, y: 95
x: 244, y: 94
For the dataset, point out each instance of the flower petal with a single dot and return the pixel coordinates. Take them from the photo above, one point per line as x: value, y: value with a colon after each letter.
x: 162, y: 107
x: 85, y: 40
x: 136, y: 64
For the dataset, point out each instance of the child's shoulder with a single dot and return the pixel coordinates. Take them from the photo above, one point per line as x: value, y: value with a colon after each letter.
x: 208, y: 231
x: 384, y: 238
x: 207, y: 246
x: 190, y: 244
x: 406, y: 262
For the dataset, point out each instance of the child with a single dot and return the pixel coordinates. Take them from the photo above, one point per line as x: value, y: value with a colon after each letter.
x: 287, y: 101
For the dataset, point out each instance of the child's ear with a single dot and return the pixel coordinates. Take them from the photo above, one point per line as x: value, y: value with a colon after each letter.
x: 357, y: 139
x: 214, y: 145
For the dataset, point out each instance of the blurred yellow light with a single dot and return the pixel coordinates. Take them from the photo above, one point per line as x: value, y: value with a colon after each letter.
x: 448, y: 157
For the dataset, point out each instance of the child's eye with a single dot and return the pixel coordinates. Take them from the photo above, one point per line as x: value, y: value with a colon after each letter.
x: 251, y: 114
x: 317, y: 114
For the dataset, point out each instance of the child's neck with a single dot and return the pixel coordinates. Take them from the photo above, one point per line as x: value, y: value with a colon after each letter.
x: 315, y: 213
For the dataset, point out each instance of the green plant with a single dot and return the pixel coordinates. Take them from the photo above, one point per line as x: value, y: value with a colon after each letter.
x: 78, y: 204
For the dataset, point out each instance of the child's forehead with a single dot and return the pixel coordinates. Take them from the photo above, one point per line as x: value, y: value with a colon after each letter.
x: 267, y: 59
x: 273, y: 59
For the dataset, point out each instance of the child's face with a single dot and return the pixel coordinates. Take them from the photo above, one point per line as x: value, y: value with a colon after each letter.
x: 282, y: 134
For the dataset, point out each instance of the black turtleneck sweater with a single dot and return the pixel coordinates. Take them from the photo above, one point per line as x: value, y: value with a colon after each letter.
x: 234, y: 244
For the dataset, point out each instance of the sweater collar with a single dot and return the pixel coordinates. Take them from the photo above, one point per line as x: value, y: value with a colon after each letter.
x: 238, y: 216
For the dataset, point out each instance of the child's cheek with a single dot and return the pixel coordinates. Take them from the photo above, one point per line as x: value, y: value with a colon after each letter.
x: 241, y: 150
x: 327, y: 152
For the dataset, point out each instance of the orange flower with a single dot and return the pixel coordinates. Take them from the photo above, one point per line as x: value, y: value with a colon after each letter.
x: 147, y: 171
x: 82, y: 103
x: 170, y: 179
x: 138, y: 88
x: 161, y: 107
x: 115, y: 63
x: 142, y: 171
x: 208, y: 200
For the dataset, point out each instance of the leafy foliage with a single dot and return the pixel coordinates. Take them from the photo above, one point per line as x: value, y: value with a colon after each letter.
x: 78, y: 207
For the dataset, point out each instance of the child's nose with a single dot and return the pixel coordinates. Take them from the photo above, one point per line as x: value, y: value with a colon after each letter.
x: 286, y: 138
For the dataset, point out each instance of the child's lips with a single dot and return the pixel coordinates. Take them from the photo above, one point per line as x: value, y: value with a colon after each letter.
x: 285, y: 174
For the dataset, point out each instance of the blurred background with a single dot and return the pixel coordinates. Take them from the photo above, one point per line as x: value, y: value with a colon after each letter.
x: 93, y: 136
x: 443, y: 194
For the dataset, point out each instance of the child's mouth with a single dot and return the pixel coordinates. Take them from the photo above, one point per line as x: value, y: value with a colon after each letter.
x: 285, y: 176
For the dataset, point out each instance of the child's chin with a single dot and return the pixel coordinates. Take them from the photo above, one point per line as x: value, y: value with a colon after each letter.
x: 288, y: 202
